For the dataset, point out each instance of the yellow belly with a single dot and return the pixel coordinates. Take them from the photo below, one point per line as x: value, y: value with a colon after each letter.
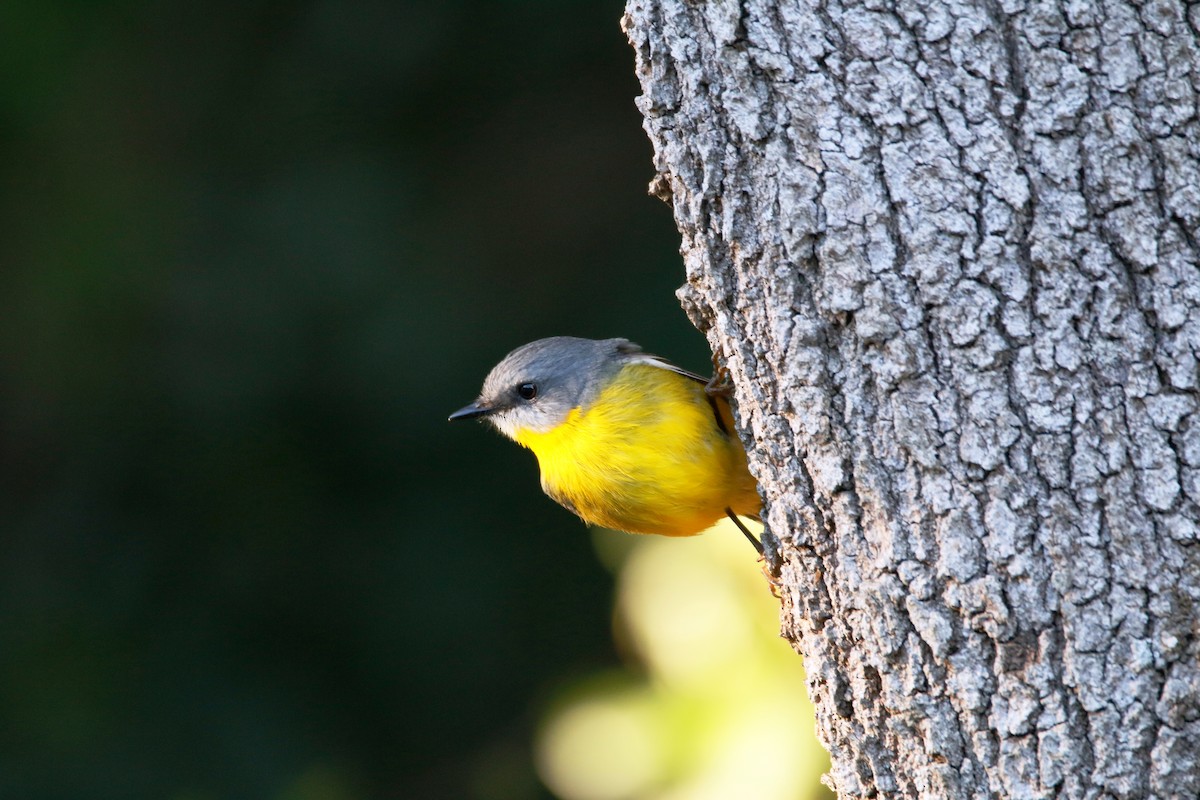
x: 647, y: 457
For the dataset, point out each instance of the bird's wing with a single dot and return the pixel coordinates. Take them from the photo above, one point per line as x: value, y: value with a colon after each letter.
x: 716, y: 397
x: 662, y: 363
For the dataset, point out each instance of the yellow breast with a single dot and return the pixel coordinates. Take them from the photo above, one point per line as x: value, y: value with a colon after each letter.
x: 648, y: 456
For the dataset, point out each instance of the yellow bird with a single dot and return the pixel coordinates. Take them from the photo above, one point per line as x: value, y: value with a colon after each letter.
x: 624, y: 439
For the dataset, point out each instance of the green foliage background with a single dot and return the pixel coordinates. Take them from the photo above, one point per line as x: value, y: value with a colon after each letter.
x: 251, y: 255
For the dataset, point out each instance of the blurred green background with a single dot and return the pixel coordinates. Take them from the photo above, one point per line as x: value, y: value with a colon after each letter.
x: 251, y: 256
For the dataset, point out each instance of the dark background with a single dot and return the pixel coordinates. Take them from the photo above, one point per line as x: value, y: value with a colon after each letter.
x: 251, y: 256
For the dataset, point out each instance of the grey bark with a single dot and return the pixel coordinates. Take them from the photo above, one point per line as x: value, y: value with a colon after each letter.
x: 950, y: 253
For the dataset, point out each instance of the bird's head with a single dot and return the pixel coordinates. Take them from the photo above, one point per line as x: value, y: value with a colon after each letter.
x: 535, y: 387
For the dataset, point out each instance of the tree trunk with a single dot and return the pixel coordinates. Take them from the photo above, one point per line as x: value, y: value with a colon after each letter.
x: 950, y: 253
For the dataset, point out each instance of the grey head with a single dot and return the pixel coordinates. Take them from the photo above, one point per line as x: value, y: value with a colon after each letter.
x: 536, y: 386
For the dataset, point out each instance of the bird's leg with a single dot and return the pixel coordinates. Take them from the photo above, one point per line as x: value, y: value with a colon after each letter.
x: 772, y: 578
x: 757, y: 544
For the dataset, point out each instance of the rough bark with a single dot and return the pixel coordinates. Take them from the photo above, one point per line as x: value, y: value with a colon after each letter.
x: 950, y: 253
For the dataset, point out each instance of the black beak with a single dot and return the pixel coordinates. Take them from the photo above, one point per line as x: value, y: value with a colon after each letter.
x: 471, y: 412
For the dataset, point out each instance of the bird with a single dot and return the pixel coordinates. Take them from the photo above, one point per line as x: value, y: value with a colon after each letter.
x: 624, y: 439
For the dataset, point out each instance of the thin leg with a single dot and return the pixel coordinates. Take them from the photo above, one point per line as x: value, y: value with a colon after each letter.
x: 757, y: 544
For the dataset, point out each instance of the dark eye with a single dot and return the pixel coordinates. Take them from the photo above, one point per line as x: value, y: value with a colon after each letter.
x: 528, y: 391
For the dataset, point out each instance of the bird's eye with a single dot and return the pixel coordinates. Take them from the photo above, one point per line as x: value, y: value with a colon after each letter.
x: 528, y: 391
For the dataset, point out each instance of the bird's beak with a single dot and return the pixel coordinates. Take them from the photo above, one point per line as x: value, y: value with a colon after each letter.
x: 471, y: 412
